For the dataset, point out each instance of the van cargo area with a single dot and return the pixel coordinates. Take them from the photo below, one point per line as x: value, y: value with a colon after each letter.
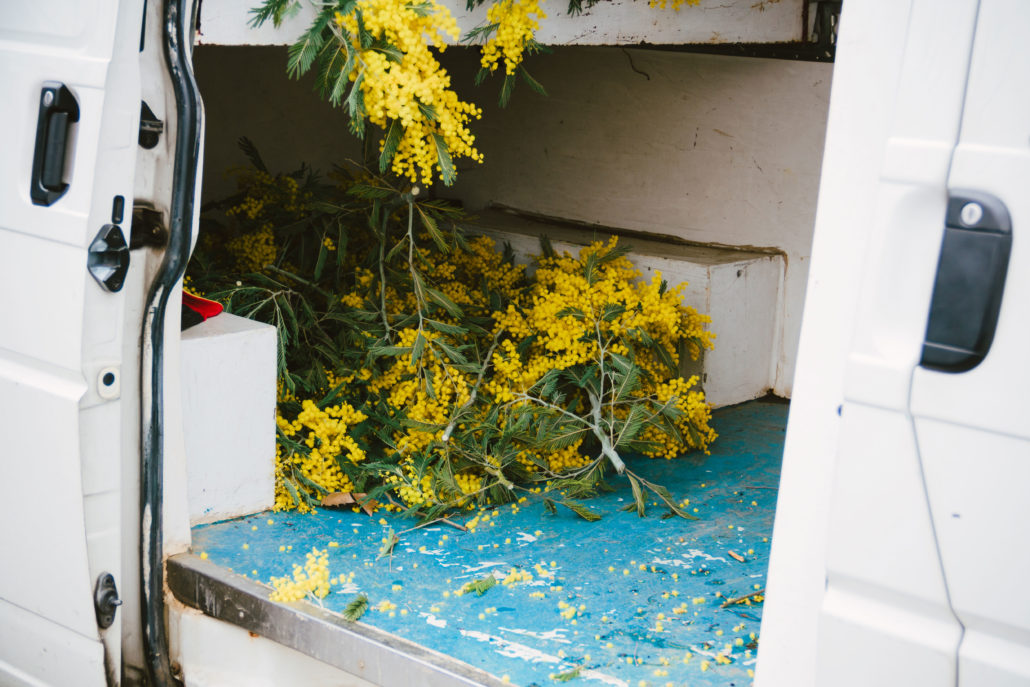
x: 687, y: 158
x: 623, y: 600
x: 863, y: 259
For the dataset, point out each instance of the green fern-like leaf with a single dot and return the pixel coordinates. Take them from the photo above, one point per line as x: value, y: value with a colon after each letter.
x: 356, y: 608
x: 276, y: 10
x: 581, y: 510
x: 443, y: 157
x: 568, y: 675
x: 533, y: 84
x: 390, y: 143
x: 250, y: 150
x: 480, y: 586
x: 506, y: 90
x: 302, y: 54
x: 389, y: 541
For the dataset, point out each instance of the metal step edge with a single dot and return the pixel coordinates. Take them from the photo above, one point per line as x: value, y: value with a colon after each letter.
x: 353, y: 647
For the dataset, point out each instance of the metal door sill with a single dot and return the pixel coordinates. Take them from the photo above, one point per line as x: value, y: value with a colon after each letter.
x: 353, y: 647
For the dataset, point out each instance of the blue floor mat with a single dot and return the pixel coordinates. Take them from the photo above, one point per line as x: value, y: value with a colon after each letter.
x: 624, y: 600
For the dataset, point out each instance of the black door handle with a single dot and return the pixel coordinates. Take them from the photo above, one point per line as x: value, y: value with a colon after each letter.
x: 970, y: 281
x: 58, y: 109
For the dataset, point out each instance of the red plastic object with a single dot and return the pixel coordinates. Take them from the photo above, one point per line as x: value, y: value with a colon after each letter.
x: 201, y: 306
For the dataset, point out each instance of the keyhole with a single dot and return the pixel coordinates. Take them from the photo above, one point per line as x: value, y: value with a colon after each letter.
x: 108, y: 379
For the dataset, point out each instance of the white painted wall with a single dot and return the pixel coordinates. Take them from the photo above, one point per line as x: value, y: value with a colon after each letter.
x: 705, y: 148
x: 246, y: 93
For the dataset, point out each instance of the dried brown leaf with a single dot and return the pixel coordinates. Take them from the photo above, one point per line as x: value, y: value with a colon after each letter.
x: 347, y: 498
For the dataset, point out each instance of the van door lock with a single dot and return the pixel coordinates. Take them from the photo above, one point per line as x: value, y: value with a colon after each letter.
x: 105, y: 600
x: 970, y: 282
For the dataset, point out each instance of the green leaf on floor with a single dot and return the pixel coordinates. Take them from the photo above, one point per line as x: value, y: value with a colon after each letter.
x: 356, y: 608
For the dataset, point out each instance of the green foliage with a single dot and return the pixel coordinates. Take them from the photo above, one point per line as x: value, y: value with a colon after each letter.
x: 421, y: 369
x: 389, y: 541
x: 568, y: 675
x: 356, y: 608
x: 480, y: 586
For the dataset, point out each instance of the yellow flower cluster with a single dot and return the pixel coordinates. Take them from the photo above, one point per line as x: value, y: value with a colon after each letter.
x: 404, y: 390
x: 576, y: 311
x: 311, y: 579
x: 412, y: 488
x: 693, y: 423
x: 483, y: 262
x: 266, y: 198
x: 515, y: 575
x: 187, y: 286
x: 254, y: 250
x: 576, y: 306
x: 516, y: 22
x: 401, y: 81
x: 568, y: 611
x: 266, y: 194
x: 559, y: 461
x: 468, y: 482
x: 326, y: 435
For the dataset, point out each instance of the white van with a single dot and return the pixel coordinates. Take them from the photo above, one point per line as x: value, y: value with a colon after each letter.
x: 899, y: 551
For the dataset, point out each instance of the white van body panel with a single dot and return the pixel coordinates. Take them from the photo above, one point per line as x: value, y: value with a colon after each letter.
x: 61, y: 494
x: 973, y: 428
x: 926, y: 507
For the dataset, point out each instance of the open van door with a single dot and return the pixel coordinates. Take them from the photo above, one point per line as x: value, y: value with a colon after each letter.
x: 69, y: 74
x: 899, y: 552
x: 969, y: 399
x: 72, y: 423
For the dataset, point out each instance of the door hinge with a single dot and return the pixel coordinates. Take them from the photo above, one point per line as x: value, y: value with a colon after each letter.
x: 147, y: 229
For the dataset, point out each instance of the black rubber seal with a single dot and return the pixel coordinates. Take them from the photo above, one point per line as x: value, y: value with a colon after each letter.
x: 178, y: 22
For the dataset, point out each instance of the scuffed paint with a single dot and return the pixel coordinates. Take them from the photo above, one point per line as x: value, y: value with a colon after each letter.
x: 434, y: 621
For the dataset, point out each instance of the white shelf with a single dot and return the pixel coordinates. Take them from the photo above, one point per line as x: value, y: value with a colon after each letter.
x: 741, y: 290
x: 610, y: 22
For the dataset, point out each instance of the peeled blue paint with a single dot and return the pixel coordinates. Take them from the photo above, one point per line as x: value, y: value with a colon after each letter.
x: 528, y: 638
